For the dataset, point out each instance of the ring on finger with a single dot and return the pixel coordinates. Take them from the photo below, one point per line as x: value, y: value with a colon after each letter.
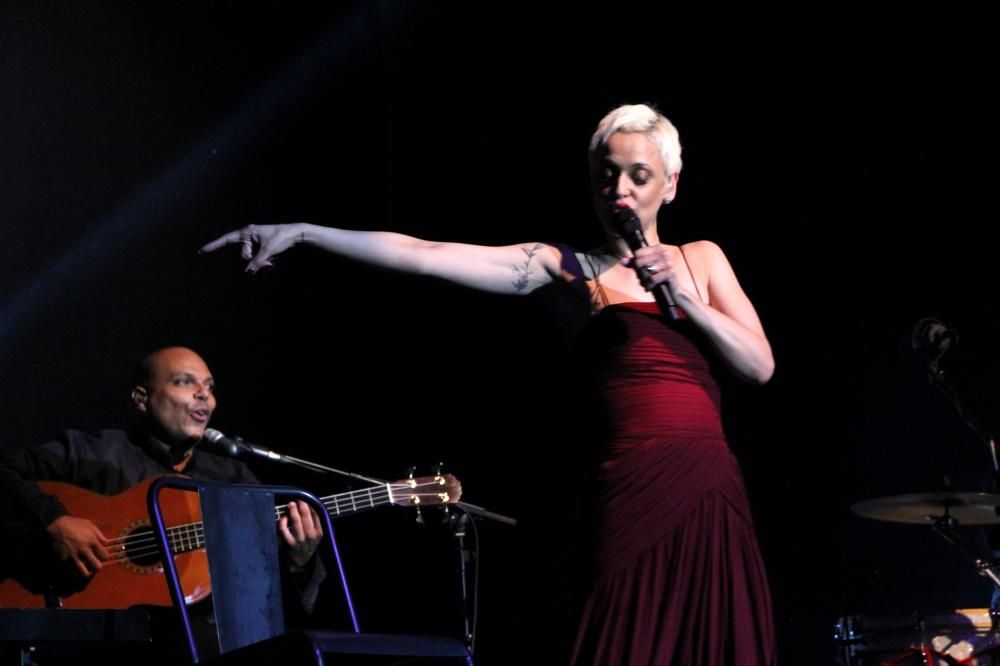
x: 651, y: 269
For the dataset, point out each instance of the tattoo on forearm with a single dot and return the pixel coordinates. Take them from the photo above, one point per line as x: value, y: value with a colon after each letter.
x: 523, y: 273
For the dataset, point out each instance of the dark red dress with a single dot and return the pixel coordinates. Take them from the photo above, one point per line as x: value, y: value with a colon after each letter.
x: 677, y: 575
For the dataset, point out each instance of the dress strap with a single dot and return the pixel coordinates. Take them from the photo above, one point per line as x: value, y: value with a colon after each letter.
x: 602, y: 298
x: 691, y: 273
x: 571, y: 264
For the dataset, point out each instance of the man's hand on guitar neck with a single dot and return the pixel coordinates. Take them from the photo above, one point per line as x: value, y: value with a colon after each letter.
x: 302, y: 531
x: 79, y: 542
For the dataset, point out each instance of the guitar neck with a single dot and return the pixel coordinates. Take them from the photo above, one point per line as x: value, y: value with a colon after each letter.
x: 185, y: 538
x: 354, y: 501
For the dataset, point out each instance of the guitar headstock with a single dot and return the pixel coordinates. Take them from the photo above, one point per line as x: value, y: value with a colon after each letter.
x: 426, y: 490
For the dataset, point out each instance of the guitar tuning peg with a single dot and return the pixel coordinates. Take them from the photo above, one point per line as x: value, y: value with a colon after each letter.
x: 420, y: 516
x: 413, y: 469
x: 438, y: 468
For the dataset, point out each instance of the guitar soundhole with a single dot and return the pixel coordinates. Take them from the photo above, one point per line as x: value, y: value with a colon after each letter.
x: 140, y: 547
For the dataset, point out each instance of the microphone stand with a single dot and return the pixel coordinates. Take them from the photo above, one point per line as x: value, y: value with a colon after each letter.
x: 237, y: 447
x: 465, y: 555
x: 944, y: 526
x: 316, y: 467
x: 458, y: 527
x: 472, y: 509
x: 937, y: 378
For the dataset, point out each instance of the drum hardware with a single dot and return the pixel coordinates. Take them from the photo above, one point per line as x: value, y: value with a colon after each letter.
x: 955, y: 508
x: 929, y: 641
x: 964, y: 636
x: 932, y: 641
x: 940, y: 511
x: 945, y: 511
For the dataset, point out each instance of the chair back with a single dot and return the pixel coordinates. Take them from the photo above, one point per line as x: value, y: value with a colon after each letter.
x: 242, y: 563
x: 238, y: 522
x: 241, y: 540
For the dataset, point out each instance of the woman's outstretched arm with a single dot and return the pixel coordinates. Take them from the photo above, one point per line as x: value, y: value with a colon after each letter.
x: 510, y: 269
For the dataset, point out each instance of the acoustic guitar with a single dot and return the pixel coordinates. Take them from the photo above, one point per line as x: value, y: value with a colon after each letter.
x: 135, y: 576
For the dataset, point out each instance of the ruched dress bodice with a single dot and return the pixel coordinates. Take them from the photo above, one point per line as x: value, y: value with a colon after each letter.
x: 649, y: 376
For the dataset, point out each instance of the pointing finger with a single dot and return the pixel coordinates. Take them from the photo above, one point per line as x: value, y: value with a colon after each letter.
x: 221, y: 241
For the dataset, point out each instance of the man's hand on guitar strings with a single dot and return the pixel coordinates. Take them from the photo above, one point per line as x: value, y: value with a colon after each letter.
x: 302, y: 531
x: 79, y: 542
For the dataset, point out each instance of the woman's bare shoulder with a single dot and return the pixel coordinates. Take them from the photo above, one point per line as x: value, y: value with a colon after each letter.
x: 706, y: 247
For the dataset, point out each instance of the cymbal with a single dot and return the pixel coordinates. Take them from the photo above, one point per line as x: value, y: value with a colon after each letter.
x: 927, y: 508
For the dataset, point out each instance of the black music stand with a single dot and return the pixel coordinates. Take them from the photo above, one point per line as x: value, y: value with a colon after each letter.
x: 242, y: 548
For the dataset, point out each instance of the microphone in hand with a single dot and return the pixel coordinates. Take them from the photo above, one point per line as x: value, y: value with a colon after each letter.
x: 631, y: 230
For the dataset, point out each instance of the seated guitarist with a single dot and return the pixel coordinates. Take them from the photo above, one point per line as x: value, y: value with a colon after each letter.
x: 174, y: 397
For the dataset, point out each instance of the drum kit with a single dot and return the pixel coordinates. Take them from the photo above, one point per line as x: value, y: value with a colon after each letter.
x: 970, y: 637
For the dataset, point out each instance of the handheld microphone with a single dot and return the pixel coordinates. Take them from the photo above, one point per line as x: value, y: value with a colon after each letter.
x: 237, y: 448
x: 631, y: 229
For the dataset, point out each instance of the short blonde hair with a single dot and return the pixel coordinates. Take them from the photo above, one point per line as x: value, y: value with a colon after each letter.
x: 647, y: 120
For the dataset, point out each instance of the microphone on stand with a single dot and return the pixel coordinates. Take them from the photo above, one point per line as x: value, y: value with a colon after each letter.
x: 236, y: 447
x: 932, y: 339
x: 631, y: 229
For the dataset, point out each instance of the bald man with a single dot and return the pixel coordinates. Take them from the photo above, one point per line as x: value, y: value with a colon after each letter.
x: 174, y: 395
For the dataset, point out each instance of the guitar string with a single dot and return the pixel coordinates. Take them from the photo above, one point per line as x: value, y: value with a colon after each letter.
x: 173, y: 531
x: 132, y: 547
x: 333, y: 500
x: 192, y: 540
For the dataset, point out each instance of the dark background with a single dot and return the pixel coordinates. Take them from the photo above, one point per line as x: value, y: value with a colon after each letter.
x: 842, y: 155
